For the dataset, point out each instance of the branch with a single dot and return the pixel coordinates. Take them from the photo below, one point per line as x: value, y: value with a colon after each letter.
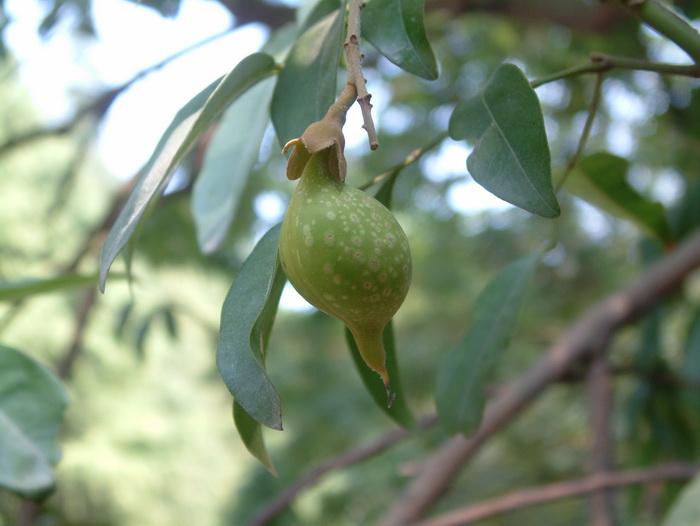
x: 354, y: 58
x: 544, y: 494
x: 351, y: 456
x: 592, y: 331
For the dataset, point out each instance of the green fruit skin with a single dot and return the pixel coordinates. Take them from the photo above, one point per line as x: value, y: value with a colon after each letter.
x: 346, y: 254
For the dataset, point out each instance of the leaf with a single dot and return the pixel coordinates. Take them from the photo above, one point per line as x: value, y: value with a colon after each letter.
x: 32, y: 401
x: 307, y: 83
x: 686, y: 510
x: 251, y: 434
x: 690, y: 370
x: 601, y: 180
x: 463, y: 371
x: 229, y: 159
x: 246, y: 320
x: 396, y: 29
x: 211, y: 101
x: 20, y: 289
x: 399, y: 410
x: 511, y: 157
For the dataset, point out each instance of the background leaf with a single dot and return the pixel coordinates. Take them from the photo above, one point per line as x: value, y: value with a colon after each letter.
x: 399, y: 410
x: 686, y: 510
x: 396, y: 29
x: 20, y: 289
x: 212, y: 101
x: 463, y: 371
x: 32, y: 402
x: 511, y: 157
x: 307, y: 83
x: 229, y: 159
x: 601, y: 180
x: 251, y: 434
x: 246, y: 319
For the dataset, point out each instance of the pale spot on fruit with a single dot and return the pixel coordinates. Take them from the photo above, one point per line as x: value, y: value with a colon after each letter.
x: 327, y: 268
x: 330, y: 215
x: 309, y: 241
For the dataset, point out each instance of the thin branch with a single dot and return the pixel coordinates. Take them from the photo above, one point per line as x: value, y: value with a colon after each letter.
x: 354, y: 58
x: 593, y: 330
x: 65, y: 366
x: 545, y: 494
x: 601, y: 62
x: 600, y: 407
x: 347, y: 458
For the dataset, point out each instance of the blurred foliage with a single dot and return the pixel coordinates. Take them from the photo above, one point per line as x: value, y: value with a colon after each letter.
x: 149, y: 437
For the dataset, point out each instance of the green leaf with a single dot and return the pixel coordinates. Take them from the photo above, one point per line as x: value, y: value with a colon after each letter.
x: 686, y: 510
x: 20, y: 289
x: 690, y: 371
x: 32, y: 401
x: 251, y: 434
x: 511, y: 156
x: 229, y: 159
x: 396, y: 29
x: 246, y: 321
x: 211, y: 101
x: 463, y: 371
x: 399, y: 410
x: 307, y: 83
x: 601, y: 180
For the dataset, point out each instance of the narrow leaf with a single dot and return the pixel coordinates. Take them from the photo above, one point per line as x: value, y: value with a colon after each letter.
x: 686, y: 509
x: 251, y: 434
x: 211, y: 101
x: 399, y: 410
x: 307, y: 83
x: 32, y: 401
x: 228, y: 161
x: 20, y: 289
x: 396, y: 29
x: 511, y: 157
x: 246, y: 319
x: 463, y: 371
x: 601, y: 180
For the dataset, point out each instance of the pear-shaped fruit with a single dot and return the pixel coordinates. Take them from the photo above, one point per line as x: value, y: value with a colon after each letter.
x: 346, y: 254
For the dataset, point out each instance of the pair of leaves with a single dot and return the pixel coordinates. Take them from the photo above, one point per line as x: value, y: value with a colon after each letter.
x: 464, y: 370
x: 246, y: 322
x: 511, y: 156
x: 32, y: 401
x: 601, y: 180
x: 206, y: 105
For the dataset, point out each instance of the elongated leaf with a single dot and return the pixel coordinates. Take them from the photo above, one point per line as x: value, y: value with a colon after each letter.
x: 231, y: 154
x: 211, y: 101
x: 32, y: 402
x: 251, y: 434
x: 686, y: 509
x: 601, y: 179
x: 463, y: 371
x: 396, y: 29
x: 246, y: 319
x: 307, y: 83
x: 399, y: 410
x: 20, y: 289
x: 511, y: 157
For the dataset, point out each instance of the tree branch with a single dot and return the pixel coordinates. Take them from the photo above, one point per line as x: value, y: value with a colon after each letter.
x: 592, y: 331
x: 544, y: 494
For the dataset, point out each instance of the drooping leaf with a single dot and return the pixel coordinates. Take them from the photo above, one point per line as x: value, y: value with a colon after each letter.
x: 32, y: 401
x: 251, y: 434
x: 463, y: 371
x: 399, y: 410
x: 396, y: 29
x: 246, y: 320
x: 207, y: 104
x: 307, y: 83
x: 20, y: 289
x: 231, y: 154
x: 511, y: 156
x: 601, y: 180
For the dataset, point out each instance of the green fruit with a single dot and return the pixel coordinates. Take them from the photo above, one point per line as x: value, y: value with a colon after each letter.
x: 346, y: 254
